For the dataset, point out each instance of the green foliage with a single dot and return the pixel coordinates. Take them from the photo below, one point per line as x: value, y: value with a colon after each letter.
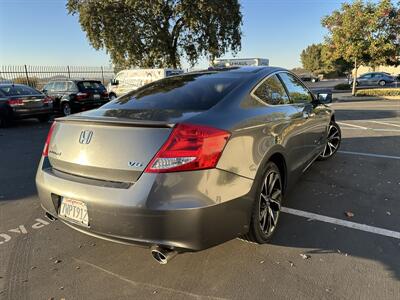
x: 318, y: 59
x: 300, y: 71
x: 157, y: 33
x: 342, y: 87
x: 311, y: 58
x: 33, y: 81
x: 364, y: 32
x: 379, y: 92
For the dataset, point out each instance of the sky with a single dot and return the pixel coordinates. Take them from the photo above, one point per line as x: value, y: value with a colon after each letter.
x: 40, y: 32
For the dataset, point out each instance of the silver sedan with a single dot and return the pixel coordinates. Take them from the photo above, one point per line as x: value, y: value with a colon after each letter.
x: 187, y: 162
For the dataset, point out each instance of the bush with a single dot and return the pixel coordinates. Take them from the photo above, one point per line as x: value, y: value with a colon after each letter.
x: 379, y: 92
x: 33, y: 81
x: 342, y: 86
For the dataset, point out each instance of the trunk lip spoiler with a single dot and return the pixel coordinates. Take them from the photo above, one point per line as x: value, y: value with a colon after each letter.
x: 115, y: 122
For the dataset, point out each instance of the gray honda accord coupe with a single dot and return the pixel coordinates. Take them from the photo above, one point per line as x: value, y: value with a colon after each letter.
x: 187, y: 162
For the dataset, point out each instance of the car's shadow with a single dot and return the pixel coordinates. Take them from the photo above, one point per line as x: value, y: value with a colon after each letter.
x: 354, y: 115
x: 21, y: 145
x: 365, y: 186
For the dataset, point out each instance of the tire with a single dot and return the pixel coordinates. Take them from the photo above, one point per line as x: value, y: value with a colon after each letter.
x: 333, y: 141
x: 66, y: 109
x: 44, y: 119
x: 382, y: 83
x: 267, y: 203
x: 112, y: 96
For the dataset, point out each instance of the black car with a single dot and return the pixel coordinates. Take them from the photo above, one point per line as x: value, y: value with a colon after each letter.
x: 309, y: 77
x: 18, y: 101
x: 71, y: 96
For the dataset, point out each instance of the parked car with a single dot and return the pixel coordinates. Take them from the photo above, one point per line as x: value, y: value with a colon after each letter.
x: 187, y: 162
x: 71, y: 96
x: 309, y: 77
x: 129, y: 80
x: 374, y: 78
x: 18, y: 101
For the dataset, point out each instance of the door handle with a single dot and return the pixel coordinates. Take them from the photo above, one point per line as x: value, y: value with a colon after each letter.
x: 307, y: 114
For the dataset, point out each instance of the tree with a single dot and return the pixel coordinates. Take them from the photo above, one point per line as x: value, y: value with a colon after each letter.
x: 333, y: 65
x: 318, y: 59
x: 157, y: 33
x: 363, y: 33
x: 311, y: 58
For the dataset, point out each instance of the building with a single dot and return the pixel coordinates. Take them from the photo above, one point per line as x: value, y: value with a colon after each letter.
x: 239, y: 62
x: 388, y: 69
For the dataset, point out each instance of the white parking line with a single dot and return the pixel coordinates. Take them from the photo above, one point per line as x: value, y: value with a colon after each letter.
x: 369, y: 154
x: 385, y: 123
x: 357, y: 127
x: 344, y: 223
x: 379, y: 129
x: 352, y: 125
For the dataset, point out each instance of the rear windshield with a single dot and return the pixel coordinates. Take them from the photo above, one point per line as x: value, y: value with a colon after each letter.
x: 18, y: 90
x: 90, y: 85
x: 186, y: 92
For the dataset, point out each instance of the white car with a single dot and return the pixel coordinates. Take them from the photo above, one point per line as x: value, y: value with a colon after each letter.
x: 129, y: 80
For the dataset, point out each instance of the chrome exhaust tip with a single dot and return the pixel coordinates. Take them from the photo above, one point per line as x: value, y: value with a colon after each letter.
x: 162, y: 255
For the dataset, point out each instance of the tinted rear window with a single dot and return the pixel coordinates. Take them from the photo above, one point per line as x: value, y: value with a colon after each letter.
x: 18, y: 90
x: 90, y: 85
x: 187, y: 92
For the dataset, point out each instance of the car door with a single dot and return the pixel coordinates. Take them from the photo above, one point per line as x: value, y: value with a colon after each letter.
x: 60, y: 88
x: 120, y: 89
x: 312, y: 118
x: 283, y: 119
x: 375, y: 78
x: 365, y: 79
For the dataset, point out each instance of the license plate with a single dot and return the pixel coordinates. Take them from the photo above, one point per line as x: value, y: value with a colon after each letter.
x: 96, y: 97
x: 74, y: 210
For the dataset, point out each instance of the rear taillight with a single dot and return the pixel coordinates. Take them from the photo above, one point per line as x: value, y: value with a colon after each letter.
x: 189, y: 147
x: 82, y: 96
x: 47, y: 100
x: 105, y: 94
x: 48, y: 139
x: 15, y: 102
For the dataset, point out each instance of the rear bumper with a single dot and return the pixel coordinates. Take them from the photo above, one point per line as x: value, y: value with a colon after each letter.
x: 31, y: 112
x: 86, y: 105
x: 187, y: 212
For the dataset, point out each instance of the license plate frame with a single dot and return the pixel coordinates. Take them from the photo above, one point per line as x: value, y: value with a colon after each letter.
x: 96, y: 97
x: 74, y: 211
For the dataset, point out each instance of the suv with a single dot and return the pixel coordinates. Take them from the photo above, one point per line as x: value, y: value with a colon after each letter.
x: 71, y: 96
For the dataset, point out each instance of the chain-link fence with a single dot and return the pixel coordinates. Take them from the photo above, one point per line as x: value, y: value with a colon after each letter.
x: 38, y: 76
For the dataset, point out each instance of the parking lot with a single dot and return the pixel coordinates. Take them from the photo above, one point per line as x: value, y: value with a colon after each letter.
x: 339, y: 237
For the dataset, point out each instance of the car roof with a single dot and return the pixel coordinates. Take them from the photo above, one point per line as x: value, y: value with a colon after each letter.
x: 246, y: 70
x: 73, y: 80
x: 13, y: 84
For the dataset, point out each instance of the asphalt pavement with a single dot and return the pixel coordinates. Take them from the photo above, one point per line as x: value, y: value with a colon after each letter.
x: 339, y: 237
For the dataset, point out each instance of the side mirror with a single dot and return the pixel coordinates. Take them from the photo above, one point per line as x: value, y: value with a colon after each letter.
x: 114, y: 82
x: 324, y: 98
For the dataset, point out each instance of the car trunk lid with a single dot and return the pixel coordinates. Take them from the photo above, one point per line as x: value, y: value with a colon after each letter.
x: 105, y: 148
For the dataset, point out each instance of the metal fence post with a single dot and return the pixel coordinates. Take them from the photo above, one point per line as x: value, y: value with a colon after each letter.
x: 26, y: 74
x: 69, y: 73
x: 102, y: 73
